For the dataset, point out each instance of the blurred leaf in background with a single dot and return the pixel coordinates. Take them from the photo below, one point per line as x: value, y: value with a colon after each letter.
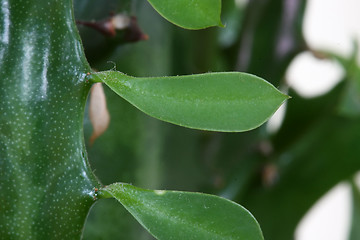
x: 355, y: 231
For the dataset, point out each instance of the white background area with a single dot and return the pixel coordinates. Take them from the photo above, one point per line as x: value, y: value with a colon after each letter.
x: 329, y: 25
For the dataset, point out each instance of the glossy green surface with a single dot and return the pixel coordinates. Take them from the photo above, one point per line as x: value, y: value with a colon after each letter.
x: 230, y: 102
x: 194, y: 14
x: 184, y: 215
x: 46, y: 186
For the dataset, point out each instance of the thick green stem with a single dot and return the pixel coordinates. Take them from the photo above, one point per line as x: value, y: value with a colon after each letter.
x: 46, y: 185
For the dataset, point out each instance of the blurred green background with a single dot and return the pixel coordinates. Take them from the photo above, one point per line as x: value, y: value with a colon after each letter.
x: 277, y: 176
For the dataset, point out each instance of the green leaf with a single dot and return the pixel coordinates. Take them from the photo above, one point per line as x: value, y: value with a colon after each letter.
x: 355, y: 231
x: 194, y: 14
x: 349, y: 105
x: 229, y: 102
x: 185, y: 215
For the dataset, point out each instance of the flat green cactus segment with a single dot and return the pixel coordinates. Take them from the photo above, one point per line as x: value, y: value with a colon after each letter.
x: 46, y: 186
